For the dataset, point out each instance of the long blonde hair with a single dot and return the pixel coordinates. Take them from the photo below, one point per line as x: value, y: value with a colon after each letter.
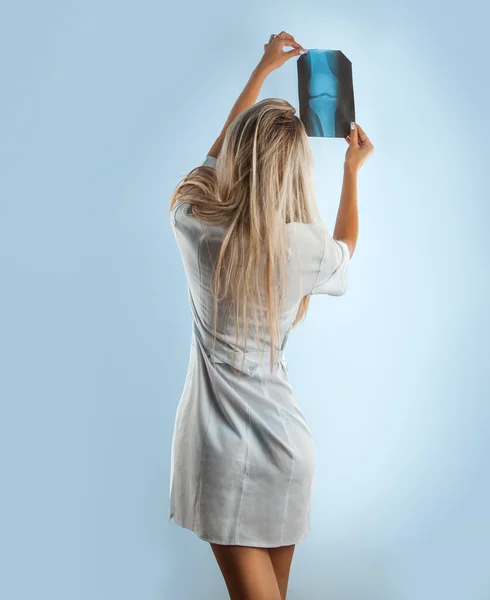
x: 262, y: 181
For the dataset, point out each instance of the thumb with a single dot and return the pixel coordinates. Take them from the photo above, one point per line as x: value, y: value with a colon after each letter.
x: 354, y: 136
x: 295, y: 52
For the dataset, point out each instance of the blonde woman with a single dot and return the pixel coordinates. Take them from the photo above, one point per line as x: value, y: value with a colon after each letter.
x: 254, y: 250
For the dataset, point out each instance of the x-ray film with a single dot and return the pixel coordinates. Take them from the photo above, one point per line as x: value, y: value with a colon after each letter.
x: 326, y: 93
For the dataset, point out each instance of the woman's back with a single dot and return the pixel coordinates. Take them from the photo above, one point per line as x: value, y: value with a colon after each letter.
x: 317, y: 264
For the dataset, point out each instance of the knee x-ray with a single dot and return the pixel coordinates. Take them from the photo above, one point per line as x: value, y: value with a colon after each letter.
x: 326, y: 94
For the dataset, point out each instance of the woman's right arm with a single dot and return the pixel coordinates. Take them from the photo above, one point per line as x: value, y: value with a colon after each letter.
x: 347, y: 223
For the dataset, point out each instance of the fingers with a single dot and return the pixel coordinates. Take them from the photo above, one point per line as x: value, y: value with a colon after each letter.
x: 362, y: 134
x: 295, y: 52
x: 364, y: 139
x: 286, y: 36
x: 288, y: 40
x: 295, y: 45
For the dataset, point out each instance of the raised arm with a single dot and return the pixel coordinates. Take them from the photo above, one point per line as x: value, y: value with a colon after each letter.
x: 273, y: 58
x: 347, y: 223
x: 246, y: 99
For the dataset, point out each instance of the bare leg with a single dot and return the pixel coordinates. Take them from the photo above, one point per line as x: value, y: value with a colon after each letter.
x: 247, y: 571
x: 281, y: 562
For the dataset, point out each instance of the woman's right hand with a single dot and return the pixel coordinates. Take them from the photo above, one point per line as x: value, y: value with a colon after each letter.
x: 360, y: 147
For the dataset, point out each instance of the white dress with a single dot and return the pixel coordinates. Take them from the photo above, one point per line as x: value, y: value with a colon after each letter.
x: 242, y: 455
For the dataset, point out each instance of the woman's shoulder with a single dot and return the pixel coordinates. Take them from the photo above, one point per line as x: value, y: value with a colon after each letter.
x: 307, y: 234
x: 312, y: 241
x: 182, y: 208
x: 322, y: 259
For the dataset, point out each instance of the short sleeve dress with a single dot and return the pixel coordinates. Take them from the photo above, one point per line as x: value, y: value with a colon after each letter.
x: 242, y: 454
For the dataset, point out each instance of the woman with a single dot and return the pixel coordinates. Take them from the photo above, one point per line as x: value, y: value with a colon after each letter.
x: 254, y: 250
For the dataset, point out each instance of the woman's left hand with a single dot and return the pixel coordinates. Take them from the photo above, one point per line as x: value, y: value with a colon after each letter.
x: 274, y: 55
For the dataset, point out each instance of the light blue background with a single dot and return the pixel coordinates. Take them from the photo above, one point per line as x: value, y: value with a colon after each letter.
x: 104, y: 107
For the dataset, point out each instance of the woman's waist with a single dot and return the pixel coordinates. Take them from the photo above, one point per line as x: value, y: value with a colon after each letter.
x: 223, y: 348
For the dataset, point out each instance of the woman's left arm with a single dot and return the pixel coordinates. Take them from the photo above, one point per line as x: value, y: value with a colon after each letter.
x: 273, y: 58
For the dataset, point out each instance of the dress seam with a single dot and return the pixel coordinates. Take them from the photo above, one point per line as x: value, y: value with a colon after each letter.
x: 293, y: 462
x: 197, y: 505
x: 288, y: 495
x: 321, y: 260
x: 201, y: 237
x: 244, y: 490
x: 227, y: 542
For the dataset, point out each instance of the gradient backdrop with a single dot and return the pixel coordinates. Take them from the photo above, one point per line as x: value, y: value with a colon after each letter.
x: 104, y: 107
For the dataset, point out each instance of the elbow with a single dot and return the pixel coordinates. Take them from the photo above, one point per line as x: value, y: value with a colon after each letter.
x: 350, y: 244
